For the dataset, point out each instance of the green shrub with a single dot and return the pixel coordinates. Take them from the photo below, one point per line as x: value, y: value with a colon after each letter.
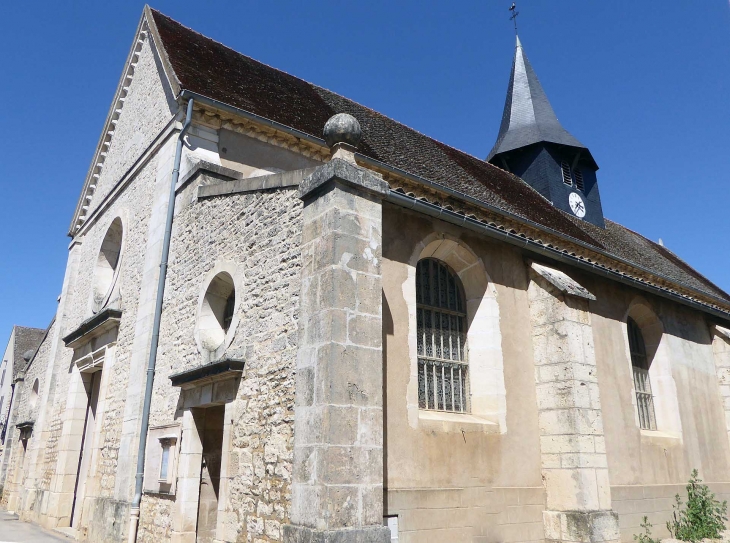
x: 646, y: 536
x: 701, y: 517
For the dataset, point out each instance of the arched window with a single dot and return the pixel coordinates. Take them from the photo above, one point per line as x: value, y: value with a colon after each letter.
x: 642, y: 385
x: 442, y: 352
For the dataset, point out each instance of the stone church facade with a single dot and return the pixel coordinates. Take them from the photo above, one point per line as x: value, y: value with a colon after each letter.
x: 363, y: 337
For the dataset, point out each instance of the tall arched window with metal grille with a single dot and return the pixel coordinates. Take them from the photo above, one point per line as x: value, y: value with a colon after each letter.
x: 642, y: 385
x: 442, y: 350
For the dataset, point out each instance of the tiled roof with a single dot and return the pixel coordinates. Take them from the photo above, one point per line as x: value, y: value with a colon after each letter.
x: 206, y: 67
x: 26, y: 339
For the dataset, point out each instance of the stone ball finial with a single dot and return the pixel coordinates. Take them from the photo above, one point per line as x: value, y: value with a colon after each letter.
x: 342, y: 128
x: 27, y: 355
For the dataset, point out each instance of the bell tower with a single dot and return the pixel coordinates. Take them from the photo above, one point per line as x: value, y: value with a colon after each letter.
x: 533, y: 145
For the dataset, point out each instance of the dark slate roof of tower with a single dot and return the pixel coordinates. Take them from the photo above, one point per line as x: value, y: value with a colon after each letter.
x: 209, y: 68
x: 528, y: 117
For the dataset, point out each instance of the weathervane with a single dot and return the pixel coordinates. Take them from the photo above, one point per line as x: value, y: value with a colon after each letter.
x: 515, y: 13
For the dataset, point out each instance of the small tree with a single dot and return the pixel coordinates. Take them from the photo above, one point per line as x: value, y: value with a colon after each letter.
x: 701, y: 517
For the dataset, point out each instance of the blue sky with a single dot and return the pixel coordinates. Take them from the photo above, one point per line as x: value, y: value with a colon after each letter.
x: 643, y: 84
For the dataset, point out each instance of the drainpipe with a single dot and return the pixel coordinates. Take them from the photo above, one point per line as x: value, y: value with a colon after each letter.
x: 134, y: 513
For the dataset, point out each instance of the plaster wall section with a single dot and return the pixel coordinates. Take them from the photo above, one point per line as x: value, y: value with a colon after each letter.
x: 148, y: 107
x: 647, y: 468
x: 662, y: 457
x: 252, y: 157
x: 721, y: 351
x: 453, y: 476
x: 634, y: 502
x: 255, y: 238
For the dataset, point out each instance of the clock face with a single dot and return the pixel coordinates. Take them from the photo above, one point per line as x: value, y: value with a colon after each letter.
x: 577, y: 205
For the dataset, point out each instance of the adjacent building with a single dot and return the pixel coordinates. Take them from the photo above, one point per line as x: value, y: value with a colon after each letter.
x: 340, y: 329
x: 22, y: 346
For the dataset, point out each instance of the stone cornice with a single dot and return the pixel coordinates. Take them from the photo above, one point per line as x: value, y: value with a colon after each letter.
x: 93, y: 327
x: 220, y: 370
x: 212, y: 117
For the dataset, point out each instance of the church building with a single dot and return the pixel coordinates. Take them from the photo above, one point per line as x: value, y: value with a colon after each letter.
x: 288, y: 318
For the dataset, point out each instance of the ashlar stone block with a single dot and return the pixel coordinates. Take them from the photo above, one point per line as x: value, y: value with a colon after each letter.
x: 570, y: 419
x: 337, y: 488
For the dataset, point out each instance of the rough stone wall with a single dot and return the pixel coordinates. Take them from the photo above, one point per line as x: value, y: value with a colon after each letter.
x: 147, y: 109
x: 36, y: 370
x: 260, y: 233
x: 26, y: 410
x: 134, y: 206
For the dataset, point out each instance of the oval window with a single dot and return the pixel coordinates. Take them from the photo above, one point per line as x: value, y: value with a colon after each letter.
x: 107, y: 263
x: 216, y: 313
x: 34, y: 394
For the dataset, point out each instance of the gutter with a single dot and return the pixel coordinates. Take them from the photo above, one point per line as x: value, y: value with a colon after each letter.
x: 144, y: 426
x: 517, y: 240
x: 458, y: 219
x: 517, y: 218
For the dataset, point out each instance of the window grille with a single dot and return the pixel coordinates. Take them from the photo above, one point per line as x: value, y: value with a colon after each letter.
x: 441, y: 322
x: 578, y: 175
x: 567, y: 179
x: 642, y: 385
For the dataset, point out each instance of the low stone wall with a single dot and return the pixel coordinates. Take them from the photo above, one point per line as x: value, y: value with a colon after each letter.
x: 504, y: 514
x: 655, y: 502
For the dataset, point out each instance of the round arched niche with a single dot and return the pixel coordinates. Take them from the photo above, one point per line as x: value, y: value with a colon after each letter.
x: 488, y: 398
x: 107, y: 264
x: 216, y: 315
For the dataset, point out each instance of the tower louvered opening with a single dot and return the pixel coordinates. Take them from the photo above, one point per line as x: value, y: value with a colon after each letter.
x: 567, y: 178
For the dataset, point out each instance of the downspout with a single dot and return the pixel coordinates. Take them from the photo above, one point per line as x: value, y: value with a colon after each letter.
x: 134, y: 512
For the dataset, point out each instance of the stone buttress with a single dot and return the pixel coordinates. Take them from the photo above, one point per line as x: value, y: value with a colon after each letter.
x: 572, y: 443
x: 337, y: 493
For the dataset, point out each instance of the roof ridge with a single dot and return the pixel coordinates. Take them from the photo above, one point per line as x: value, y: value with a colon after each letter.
x: 211, y: 68
x: 316, y: 86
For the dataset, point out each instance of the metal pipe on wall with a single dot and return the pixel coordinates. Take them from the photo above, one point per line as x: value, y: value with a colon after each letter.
x: 144, y: 426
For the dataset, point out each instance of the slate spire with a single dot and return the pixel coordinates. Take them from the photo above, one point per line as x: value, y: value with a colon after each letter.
x: 528, y: 117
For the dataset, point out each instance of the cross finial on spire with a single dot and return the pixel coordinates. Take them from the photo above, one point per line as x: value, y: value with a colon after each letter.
x: 515, y: 13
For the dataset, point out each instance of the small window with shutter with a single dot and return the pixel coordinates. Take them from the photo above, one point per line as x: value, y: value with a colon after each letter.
x: 567, y: 179
x: 578, y: 176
